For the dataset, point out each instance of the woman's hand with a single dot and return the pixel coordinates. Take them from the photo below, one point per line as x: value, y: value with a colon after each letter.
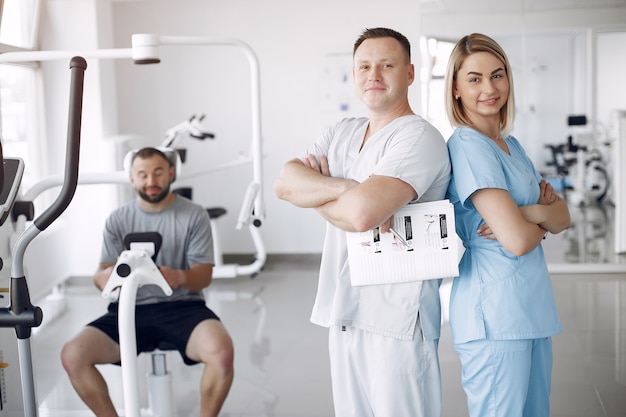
x: 485, y: 231
x: 547, y: 195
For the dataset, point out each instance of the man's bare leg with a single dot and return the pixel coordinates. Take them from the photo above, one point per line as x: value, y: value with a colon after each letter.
x: 79, y: 357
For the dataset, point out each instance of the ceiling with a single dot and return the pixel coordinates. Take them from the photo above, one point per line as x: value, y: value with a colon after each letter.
x: 512, y: 6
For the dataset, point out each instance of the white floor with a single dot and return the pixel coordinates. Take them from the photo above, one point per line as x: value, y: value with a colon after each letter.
x: 282, y: 361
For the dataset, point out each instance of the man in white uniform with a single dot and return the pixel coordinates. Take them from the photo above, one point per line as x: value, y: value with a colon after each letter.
x: 382, y: 338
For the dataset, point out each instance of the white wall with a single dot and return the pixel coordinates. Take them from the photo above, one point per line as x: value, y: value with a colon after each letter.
x: 549, y: 87
x: 610, y: 64
x: 302, y: 48
x: 455, y: 25
x: 610, y: 91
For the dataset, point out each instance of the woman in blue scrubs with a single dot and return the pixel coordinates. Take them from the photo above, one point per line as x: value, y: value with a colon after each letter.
x: 502, y: 309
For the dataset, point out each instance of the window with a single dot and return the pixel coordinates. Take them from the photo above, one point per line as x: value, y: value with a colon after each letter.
x: 437, y: 53
x: 19, y: 116
x: 19, y: 23
x: 17, y: 111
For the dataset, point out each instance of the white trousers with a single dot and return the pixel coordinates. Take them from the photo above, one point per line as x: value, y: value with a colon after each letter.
x: 377, y: 376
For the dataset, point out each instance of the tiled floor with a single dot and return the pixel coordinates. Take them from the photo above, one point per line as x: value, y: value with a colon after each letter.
x: 282, y: 361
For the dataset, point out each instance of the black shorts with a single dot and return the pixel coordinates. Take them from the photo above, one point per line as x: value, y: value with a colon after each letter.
x: 165, y: 326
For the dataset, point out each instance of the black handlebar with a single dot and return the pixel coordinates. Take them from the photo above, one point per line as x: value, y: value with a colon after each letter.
x: 78, y: 65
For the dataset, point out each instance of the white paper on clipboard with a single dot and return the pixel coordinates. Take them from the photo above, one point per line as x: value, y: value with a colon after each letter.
x: 432, y: 249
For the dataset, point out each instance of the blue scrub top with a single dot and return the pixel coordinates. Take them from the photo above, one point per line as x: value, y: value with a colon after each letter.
x: 497, y: 295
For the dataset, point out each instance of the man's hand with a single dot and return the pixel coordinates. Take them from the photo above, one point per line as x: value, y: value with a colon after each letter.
x: 307, y: 183
x: 172, y: 276
x: 102, y: 275
x: 196, y: 278
x: 321, y: 166
x: 386, y: 225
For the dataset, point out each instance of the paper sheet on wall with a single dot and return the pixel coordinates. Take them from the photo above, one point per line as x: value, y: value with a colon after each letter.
x: 427, y: 247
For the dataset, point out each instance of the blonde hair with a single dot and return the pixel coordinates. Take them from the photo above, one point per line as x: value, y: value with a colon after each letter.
x: 470, y: 44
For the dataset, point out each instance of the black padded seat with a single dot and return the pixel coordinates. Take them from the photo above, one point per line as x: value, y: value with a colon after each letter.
x: 215, y: 212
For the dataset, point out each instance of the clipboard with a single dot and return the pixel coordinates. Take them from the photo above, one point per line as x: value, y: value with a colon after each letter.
x: 423, y: 245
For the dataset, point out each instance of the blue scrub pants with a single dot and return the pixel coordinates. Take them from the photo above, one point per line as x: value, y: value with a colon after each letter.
x: 507, y: 378
x: 378, y: 376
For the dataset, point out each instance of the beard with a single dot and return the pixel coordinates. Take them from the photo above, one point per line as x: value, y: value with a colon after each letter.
x: 155, y: 199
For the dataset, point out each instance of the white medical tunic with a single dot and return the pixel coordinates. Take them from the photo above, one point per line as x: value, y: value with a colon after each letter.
x: 497, y: 295
x: 411, y: 149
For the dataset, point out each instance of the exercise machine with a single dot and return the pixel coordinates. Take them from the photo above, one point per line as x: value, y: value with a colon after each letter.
x: 580, y: 166
x: 134, y: 268
x: 21, y: 314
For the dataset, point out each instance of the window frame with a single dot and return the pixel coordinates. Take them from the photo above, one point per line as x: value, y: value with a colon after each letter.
x: 29, y: 140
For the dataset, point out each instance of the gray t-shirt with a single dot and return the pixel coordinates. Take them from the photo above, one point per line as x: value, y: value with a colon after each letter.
x: 186, y: 232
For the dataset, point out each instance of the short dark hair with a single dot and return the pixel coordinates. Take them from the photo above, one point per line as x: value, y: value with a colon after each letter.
x: 384, y: 33
x: 149, y: 152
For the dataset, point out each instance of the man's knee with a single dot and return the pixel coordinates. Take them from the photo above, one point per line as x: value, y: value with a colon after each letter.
x: 71, y: 357
x: 214, y: 346
x: 88, y: 348
x: 223, y: 357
